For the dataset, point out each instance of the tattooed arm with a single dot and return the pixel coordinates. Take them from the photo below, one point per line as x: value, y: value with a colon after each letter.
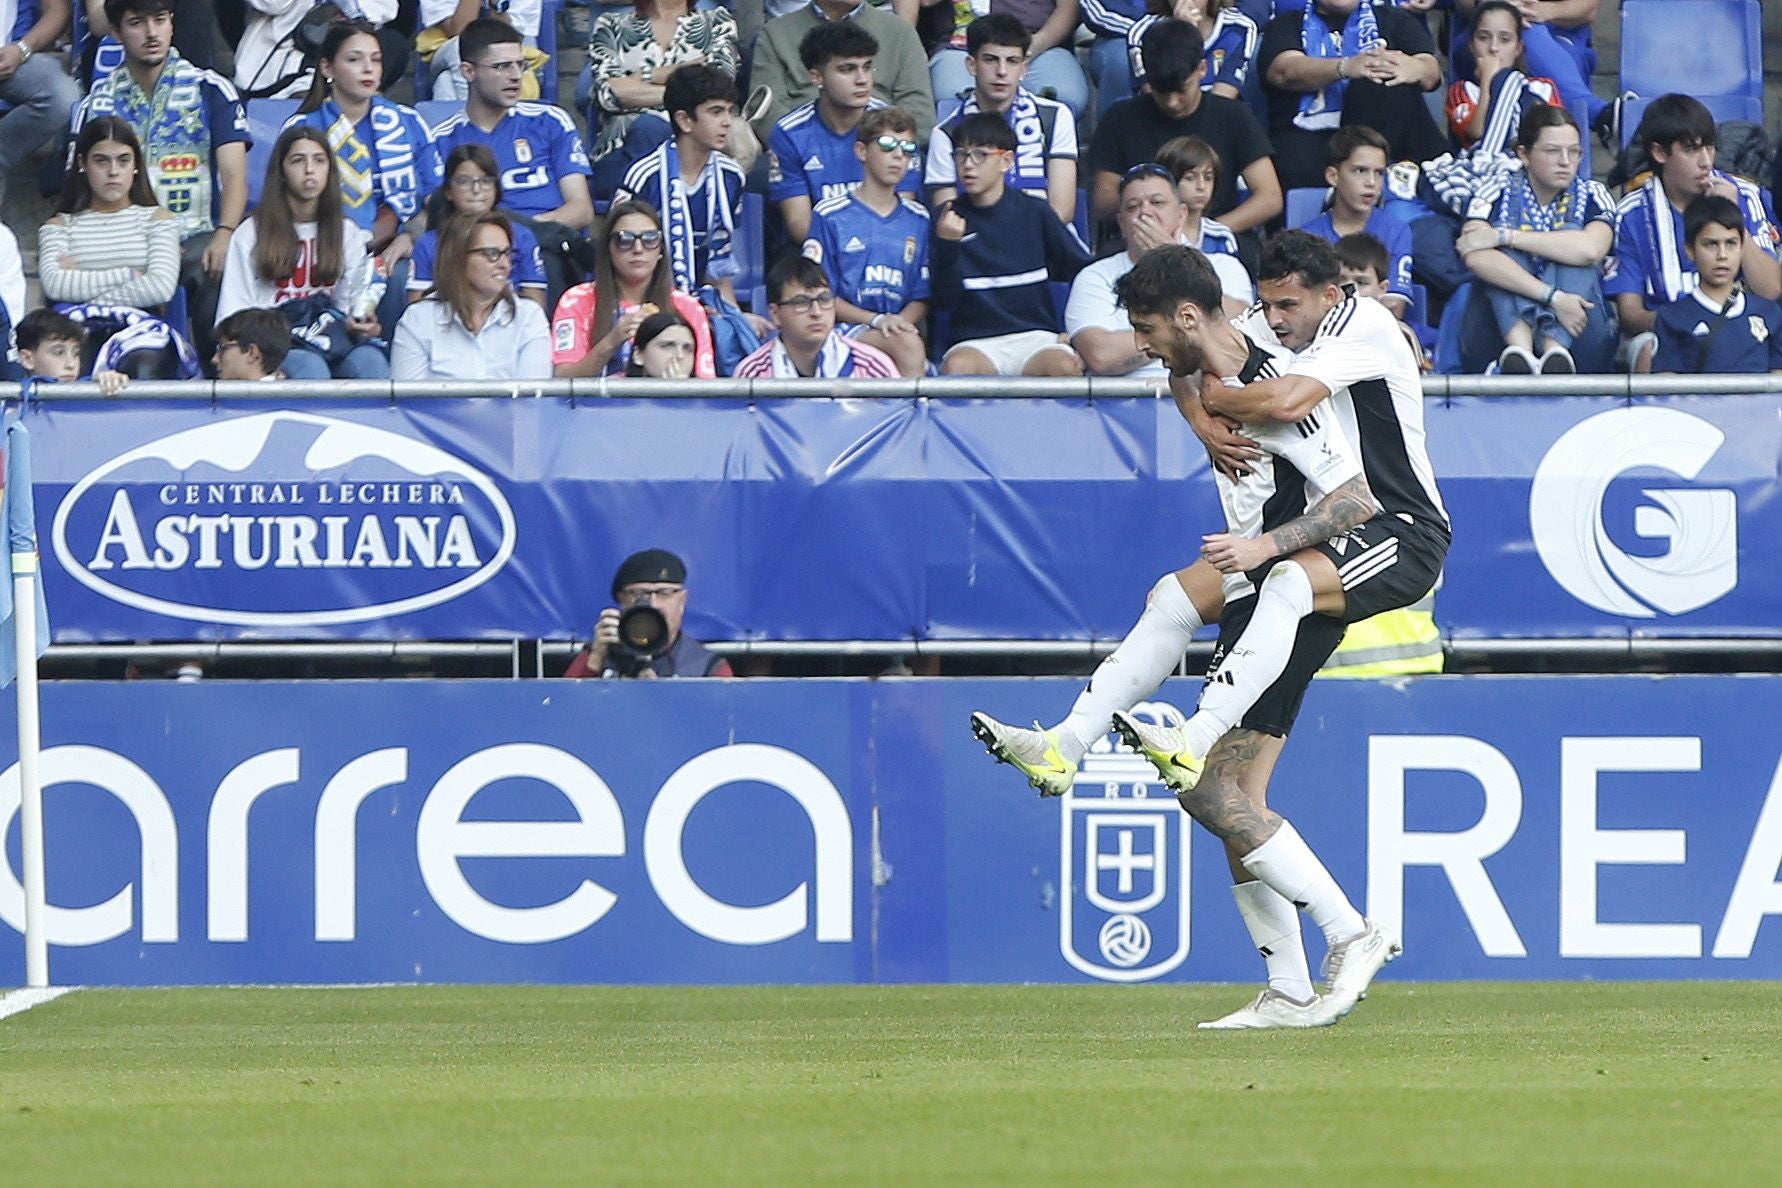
x: 1347, y: 507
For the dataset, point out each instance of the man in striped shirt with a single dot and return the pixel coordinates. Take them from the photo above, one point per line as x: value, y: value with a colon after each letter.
x: 803, y: 307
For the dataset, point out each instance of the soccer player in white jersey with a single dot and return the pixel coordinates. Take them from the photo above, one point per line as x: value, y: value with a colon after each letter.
x: 1174, y: 300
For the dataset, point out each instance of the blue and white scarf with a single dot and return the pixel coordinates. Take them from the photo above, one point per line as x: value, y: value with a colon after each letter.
x: 677, y: 213
x: 1322, y: 110
x: 397, y: 167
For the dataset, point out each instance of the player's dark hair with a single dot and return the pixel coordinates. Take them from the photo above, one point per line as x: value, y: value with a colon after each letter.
x: 881, y: 120
x: 834, y: 39
x: 999, y: 28
x: 981, y: 129
x: 1364, y: 253
x: 482, y: 34
x: 1673, y: 120
x: 1185, y: 154
x: 263, y: 328
x: 794, y: 272
x: 1164, y: 277
x: 46, y: 325
x: 1345, y: 140
x: 1541, y: 117
x: 1171, y: 51
x: 1301, y: 255
x: 1503, y: 6
x: 1710, y: 210
x: 691, y: 86
x: 116, y: 10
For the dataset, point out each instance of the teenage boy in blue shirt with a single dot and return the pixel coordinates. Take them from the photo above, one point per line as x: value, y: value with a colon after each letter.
x: 1357, y: 177
x: 1719, y: 328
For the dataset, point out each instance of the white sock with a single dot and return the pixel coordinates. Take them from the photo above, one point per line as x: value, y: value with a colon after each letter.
x: 1274, y: 927
x: 1148, y: 654
x: 1288, y: 865
x: 1256, y: 660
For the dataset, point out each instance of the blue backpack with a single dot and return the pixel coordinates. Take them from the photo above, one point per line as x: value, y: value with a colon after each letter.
x: 733, y: 338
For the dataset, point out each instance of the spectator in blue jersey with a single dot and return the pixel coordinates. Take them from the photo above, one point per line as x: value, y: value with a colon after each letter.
x: 32, y: 81
x: 996, y: 55
x: 874, y: 244
x: 1650, y: 268
x: 472, y: 186
x: 1341, y: 62
x: 1195, y: 167
x: 383, y: 152
x: 440, y: 41
x: 1357, y: 179
x: 995, y: 255
x: 1536, y: 239
x: 808, y: 345
x: 811, y: 154
x: 1718, y: 329
x: 194, y: 136
x: 472, y: 326
x: 1485, y: 110
x: 693, y: 183
x: 1053, y: 69
x: 1232, y: 29
x: 544, y: 169
x: 1173, y: 104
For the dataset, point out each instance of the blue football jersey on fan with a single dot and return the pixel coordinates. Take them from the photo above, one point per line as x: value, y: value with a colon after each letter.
x: 808, y: 158
x: 534, y: 144
x: 878, y: 262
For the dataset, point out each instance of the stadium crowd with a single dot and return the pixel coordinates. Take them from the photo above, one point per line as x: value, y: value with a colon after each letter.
x: 834, y: 188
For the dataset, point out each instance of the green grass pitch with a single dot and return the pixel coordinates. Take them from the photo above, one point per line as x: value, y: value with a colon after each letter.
x: 1474, y: 1083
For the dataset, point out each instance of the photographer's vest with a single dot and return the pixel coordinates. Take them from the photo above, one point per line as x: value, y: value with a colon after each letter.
x: 688, y: 657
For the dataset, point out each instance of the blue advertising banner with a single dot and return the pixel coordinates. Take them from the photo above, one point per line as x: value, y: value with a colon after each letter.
x: 844, y: 519
x: 853, y: 831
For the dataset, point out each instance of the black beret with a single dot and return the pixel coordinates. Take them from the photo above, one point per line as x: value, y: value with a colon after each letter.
x: 651, y: 565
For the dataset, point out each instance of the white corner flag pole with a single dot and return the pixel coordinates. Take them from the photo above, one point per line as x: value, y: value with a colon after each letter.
x: 24, y: 593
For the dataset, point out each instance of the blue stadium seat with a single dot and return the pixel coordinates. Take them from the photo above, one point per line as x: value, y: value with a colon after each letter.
x: 266, y: 119
x: 1700, y: 47
x: 1305, y: 204
x: 751, y: 251
x: 547, y: 43
x: 1723, y: 107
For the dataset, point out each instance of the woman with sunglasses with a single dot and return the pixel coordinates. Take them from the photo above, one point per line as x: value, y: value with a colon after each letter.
x: 473, y: 186
x: 471, y: 326
x: 595, y: 323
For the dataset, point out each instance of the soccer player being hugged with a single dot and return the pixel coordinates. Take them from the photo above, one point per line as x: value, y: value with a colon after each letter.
x: 811, y: 151
x: 996, y: 254
x: 873, y: 242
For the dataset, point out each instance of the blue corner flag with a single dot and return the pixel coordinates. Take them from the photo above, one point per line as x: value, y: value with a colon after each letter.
x: 21, y: 533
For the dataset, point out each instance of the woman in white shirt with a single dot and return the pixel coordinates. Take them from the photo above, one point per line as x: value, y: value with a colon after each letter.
x: 470, y: 326
x: 298, y: 244
x: 111, y: 243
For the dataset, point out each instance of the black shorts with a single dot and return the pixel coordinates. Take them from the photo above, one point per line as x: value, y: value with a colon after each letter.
x: 1274, y: 711
x: 1386, y: 563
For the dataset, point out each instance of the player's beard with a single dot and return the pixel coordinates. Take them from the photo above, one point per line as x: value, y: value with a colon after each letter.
x: 1183, y: 356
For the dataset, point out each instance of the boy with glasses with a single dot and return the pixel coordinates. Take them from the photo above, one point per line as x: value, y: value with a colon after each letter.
x: 808, y: 347
x: 996, y: 49
x: 874, y: 244
x: 252, y: 345
x: 996, y: 255
x: 811, y: 155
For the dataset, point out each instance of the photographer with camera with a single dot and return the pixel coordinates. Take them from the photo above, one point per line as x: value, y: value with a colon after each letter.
x: 642, y: 637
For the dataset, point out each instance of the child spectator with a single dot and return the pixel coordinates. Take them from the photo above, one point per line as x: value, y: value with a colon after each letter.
x: 51, y: 347
x: 1173, y: 104
x: 1556, y: 45
x: 593, y: 331
x: 298, y: 244
x: 472, y: 186
x: 996, y: 55
x: 808, y: 346
x: 1364, y: 264
x: 33, y: 84
x: 110, y: 241
x: 1357, y: 177
x: 1536, y: 239
x: 873, y: 242
x: 1195, y: 166
x: 1651, y: 269
x: 811, y: 151
x: 996, y: 253
x: 1718, y: 328
x: 1483, y: 115
x: 252, y: 345
x: 693, y: 182
x: 663, y: 347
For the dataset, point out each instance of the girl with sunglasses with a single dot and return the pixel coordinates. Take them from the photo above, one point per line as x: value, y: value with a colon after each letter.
x: 473, y: 186
x: 595, y: 323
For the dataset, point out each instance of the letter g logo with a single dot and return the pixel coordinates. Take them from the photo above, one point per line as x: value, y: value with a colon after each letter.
x: 1700, y: 527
